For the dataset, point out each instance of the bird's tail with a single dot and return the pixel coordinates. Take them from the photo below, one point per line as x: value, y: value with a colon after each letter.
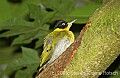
x: 42, y: 67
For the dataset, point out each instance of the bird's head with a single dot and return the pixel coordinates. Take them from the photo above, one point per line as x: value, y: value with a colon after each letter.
x: 63, y: 26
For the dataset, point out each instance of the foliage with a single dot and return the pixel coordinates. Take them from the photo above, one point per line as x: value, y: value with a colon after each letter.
x: 27, y: 22
x: 29, y: 59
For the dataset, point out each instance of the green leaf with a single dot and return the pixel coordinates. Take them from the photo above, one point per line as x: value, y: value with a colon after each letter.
x: 27, y: 38
x: 63, y: 7
x: 15, y: 26
x: 29, y: 57
x: 17, y: 31
x: 82, y: 13
x: 67, y: 10
x: 40, y: 15
x: 86, y: 10
x: 10, y: 9
x: 13, y: 22
x: 28, y: 31
x: 38, y: 43
x: 27, y: 73
x: 6, y: 54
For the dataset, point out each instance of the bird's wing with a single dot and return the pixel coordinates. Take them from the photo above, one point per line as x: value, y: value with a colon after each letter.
x: 47, y: 49
x: 49, y: 44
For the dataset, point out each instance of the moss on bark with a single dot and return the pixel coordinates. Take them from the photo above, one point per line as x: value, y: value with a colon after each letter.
x: 100, y: 44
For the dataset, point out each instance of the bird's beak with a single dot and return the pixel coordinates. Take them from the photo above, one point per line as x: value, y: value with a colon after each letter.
x: 70, y: 23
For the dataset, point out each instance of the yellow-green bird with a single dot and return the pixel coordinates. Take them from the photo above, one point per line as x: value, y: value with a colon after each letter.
x: 56, y: 43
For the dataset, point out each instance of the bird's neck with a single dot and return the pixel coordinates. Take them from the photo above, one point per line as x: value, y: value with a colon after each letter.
x: 58, y: 29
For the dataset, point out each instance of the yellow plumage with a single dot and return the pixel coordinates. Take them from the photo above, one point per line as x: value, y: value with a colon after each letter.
x: 56, y: 43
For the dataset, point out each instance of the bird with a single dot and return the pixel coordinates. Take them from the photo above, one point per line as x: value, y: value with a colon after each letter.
x: 56, y: 42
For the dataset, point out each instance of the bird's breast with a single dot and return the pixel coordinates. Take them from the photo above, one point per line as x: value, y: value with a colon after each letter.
x: 60, y: 47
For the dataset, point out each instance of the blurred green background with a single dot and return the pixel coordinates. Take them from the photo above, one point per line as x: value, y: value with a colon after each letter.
x: 24, y: 23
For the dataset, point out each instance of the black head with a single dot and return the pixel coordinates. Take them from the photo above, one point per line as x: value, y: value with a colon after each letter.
x: 61, y: 25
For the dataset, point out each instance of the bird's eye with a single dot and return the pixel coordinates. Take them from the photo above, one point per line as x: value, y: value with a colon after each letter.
x: 61, y: 24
